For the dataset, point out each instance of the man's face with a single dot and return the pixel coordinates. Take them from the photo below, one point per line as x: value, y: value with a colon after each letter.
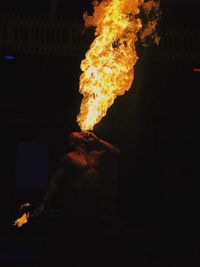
x: 76, y: 138
x: 76, y: 135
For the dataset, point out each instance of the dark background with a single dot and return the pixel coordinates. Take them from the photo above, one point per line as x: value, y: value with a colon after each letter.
x: 154, y: 125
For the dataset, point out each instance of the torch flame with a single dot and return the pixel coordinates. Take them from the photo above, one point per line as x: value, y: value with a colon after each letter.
x: 108, y: 68
x: 22, y: 220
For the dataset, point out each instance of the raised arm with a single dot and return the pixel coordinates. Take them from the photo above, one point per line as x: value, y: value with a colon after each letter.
x: 105, y: 145
x: 109, y: 147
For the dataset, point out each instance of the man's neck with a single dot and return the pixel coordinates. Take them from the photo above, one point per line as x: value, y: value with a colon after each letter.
x: 82, y: 149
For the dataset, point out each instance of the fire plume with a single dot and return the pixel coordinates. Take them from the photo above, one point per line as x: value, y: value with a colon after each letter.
x: 108, y: 67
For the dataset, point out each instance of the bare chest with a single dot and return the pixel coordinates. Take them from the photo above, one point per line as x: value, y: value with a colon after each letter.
x: 84, y: 161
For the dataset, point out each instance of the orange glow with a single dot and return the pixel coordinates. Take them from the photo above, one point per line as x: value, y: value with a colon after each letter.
x: 108, y: 67
x: 196, y: 69
x: 22, y: 220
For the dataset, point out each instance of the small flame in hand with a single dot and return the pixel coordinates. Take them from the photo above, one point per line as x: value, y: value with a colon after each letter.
x: 22, y: 220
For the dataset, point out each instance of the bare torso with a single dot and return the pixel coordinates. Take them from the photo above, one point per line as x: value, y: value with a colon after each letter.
x: 87, y: 166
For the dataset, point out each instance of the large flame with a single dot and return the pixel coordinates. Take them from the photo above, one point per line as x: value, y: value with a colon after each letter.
x: 108, y: 68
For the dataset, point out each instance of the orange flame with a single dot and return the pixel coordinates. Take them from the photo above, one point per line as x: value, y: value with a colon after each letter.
x: 22, y: 220
x: 108, y: 68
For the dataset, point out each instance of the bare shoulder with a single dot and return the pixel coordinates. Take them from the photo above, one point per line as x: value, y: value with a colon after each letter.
x: 70, y: 156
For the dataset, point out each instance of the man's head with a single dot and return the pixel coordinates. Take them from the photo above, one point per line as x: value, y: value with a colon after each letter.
x: 87, y: 139
x: 76, y: 139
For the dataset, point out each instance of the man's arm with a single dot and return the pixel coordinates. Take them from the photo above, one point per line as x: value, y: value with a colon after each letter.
x: 109, y: 147
x: 90, y: 136
x: 54, y: 184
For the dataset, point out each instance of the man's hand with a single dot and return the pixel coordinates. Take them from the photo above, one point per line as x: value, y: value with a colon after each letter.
x: 90, y: 136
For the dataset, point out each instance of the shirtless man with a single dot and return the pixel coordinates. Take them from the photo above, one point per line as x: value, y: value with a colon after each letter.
x: 81, y: 167
x: 84, y: 180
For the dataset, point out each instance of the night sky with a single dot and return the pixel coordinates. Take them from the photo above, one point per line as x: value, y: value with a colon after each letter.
x: 75, y: 8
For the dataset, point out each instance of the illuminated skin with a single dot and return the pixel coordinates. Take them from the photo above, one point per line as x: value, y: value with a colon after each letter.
x: 84, y: 160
